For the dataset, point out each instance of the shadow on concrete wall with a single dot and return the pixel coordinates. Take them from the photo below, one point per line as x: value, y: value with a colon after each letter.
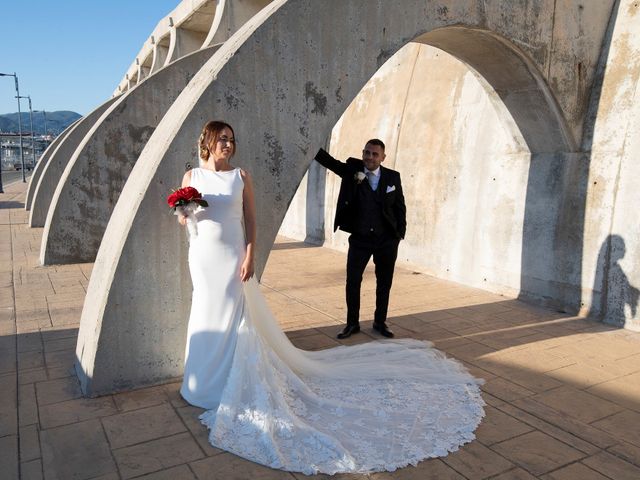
x: 555, y: 209
x: 608, y: 276
x: 611, y: 280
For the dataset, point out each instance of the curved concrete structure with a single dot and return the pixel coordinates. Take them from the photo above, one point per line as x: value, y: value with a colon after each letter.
x: 42, y: 163
x: 283, y: 83
x: 160, y: 52
x: 613, y: 230
x: 230, y: 16
x: 91, y: 183
x: 192, y: 25
x: 181, y: 32
x: 68, y: 236
x: 58, y: 162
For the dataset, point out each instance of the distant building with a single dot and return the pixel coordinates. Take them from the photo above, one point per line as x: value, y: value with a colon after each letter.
x: 10, y: 150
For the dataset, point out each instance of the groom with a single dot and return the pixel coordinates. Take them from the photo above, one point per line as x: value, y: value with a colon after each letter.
x: 371, y: 208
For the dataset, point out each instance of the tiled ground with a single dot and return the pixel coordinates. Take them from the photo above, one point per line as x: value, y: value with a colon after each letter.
x: 563, y: 393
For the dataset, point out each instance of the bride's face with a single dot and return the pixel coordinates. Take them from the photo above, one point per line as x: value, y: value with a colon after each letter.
x: 224, y: 146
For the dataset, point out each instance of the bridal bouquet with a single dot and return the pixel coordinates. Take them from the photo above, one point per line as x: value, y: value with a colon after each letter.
x: 186, y: 201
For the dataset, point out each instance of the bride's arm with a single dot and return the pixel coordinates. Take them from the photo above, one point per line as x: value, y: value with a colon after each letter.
x: 186, y: 181
x: 249, y: 210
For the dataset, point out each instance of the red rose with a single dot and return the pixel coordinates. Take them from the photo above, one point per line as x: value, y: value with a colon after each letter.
x: 185, y: 195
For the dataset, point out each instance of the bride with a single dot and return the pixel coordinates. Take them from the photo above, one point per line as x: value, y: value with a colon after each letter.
x: 330, y: 411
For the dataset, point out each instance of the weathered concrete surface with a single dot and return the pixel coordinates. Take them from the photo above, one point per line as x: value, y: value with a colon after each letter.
x: 93, y: 179
x: 576, y: 226
x: 40, y: 166
x: 612, y: 227
x: 464, y: 163
x: 563, y: 40
x: 58, y: 162
x: 481, y: 207
x: 230, y: 16
x: 184, y: 42
x: 281, y: 115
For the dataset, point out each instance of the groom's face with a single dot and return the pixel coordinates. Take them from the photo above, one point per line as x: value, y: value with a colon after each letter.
x: 372, y: 156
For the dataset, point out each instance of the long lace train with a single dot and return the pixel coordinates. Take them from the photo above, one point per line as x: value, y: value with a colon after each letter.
x: 372, y: 407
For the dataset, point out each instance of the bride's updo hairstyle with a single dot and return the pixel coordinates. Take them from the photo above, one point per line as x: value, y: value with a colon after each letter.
x: 209, y: 136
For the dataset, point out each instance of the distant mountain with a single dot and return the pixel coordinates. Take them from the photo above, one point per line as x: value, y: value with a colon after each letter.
x: 56, y: 121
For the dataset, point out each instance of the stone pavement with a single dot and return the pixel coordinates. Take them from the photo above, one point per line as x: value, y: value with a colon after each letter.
x: 562, y: 393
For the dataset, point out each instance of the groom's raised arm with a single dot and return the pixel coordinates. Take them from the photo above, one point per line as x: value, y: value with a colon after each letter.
x: 327, y: 161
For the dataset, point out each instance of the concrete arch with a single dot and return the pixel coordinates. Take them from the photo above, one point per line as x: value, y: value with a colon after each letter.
x: 56, y: 165
x: 176, y: 36
x: 160, y: 52
x: 230, y: 16
x: 183, y: 42
x: 192, y: 25
x: 132, y: 330
x: 42, y: 163
x: 521, y: 87
x: 153, y: 51
x: 93, y: 179
x: 144, y: 68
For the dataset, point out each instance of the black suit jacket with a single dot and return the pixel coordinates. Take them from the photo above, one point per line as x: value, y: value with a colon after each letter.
x: 389, y: 191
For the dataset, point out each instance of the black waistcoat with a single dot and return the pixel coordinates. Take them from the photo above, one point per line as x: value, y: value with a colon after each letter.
x: 369, y: 219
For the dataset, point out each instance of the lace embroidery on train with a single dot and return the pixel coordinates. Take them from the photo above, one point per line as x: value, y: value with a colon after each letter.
x: 276, y: 418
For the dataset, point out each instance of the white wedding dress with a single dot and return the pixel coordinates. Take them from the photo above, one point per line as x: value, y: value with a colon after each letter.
x: 366, y: 408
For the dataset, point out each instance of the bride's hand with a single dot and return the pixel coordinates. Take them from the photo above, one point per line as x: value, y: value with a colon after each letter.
x: 182, y: 220
x: 246, y: 270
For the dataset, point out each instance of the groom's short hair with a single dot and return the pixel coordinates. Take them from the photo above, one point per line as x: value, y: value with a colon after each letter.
x: 376, y: 141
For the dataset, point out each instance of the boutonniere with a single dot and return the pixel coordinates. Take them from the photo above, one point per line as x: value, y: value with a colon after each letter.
x: 359, y: 177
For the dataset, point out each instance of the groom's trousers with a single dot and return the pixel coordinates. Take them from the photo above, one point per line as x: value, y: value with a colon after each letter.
x: 384, y: 251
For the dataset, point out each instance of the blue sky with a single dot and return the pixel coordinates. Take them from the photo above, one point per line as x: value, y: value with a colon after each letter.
x: 71, y: 54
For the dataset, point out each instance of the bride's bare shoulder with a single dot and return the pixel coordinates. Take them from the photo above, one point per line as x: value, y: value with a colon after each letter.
x: 186, y: 179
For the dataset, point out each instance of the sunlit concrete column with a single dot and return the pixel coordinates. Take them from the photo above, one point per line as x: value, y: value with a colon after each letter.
x: 40, y: 166
x: 160, y: 55
x: 612, y: 269
x: 57, y: 163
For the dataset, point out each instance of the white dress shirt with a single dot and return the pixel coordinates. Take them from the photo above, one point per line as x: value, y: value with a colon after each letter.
x: 373, y: 177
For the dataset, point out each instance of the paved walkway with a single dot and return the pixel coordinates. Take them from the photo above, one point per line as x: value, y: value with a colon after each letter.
x: 563, y: 393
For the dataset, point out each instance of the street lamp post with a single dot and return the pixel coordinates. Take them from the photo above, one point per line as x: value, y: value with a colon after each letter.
x: 1, y: 189
x: 15, y: 77
x: 33, y: 142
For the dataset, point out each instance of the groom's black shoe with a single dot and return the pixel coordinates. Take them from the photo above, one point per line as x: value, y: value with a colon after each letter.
x: 348, y: 331
x: 382, y: 329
